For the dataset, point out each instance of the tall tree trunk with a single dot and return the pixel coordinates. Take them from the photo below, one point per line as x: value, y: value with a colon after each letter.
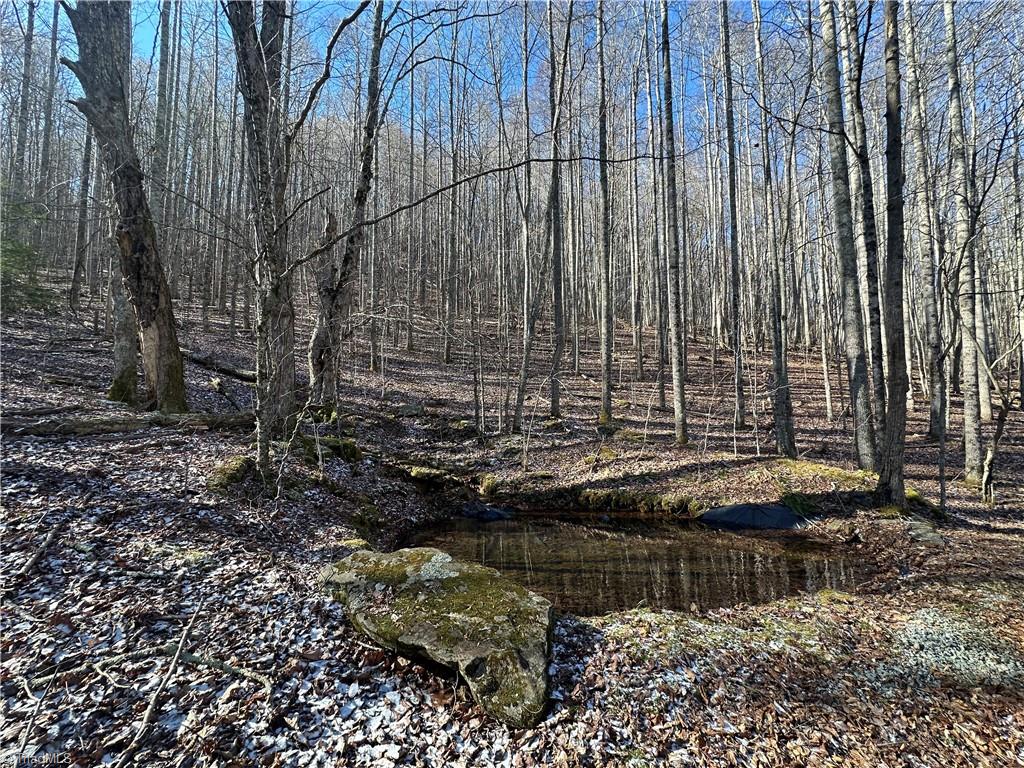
x: 857, y: 375
x: 606, y: 310
x: 104, y: 48
x: 964, y: 250
x: 890, y: 470
x: 782, y: 407
x: 258, y: 51
x: 82, y: 231
x: 865, y: 197
x: 337, y: 284
x: 929, y: 243
x: 45, y: 161
x: 739, y: 415
x: 158, y: 171
x: 19, y: 189
x: 675, y: 313
x: 556, y: 82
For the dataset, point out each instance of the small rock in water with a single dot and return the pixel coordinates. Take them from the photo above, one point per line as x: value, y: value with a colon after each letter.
x: 477, y: 510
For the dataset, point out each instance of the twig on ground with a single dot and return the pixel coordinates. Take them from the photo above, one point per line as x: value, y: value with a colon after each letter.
x: 147, y: 718
x: 26, y: 569
x: 167, y: 649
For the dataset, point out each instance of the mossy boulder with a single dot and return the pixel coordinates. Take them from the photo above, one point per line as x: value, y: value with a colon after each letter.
x: 637, y: 502
x: 230, y: 472
x: 426, y: 605
x: 327, y: 446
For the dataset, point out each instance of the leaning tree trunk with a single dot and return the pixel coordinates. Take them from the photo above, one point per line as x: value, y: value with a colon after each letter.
x: 860, y: 398
x: 336, y: 294
x: 102, y: 30
x: 890, y: 470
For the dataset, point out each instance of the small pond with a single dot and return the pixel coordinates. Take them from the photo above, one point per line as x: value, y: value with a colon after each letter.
x: 591, y: 568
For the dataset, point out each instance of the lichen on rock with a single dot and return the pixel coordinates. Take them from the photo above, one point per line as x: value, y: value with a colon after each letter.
x: 424, y: 604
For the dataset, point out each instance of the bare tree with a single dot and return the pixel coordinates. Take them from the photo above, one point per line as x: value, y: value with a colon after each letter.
x: 857, y: 375
x: 607, y: 309
x: 890, y: 470
x: 675, y: 314
x: 739, y: 415
x: 102, y: 31
x: 964, y: 250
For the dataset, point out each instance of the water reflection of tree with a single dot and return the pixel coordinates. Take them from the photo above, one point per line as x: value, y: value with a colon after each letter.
x: 591, y: 570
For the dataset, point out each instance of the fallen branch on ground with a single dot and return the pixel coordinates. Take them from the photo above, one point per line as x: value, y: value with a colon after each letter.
x: 169, y: 649
x: 41, y: 411
x: 147, y: 718
x: 207, y: 361
x: 106, y: 425
x: 26, y: 569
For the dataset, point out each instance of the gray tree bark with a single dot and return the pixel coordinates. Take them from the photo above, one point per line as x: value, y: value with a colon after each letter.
x: 102, y: 29
x: 675, y: 313
x: 739, y: 415
x: 930, y: 242
x: 890, y: 470
x: 964, y: 252
x: 857, y: 374
x: 782, y: 403
x: 606, y: 309
x: 259, y: 55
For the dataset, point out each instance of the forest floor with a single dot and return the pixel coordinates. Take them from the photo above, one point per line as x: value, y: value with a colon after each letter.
x: 143, y: 545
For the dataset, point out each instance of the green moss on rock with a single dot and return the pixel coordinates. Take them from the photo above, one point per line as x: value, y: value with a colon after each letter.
x: 424, y: 604
x: 341, y: 447
x: 490, y: 485
x: 230, y: 472
x: 610, y: 500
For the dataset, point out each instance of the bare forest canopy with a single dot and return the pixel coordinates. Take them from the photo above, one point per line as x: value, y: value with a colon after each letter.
x: 508, y: 182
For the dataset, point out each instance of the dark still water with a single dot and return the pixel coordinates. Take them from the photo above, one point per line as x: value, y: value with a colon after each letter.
x: 591, y: 569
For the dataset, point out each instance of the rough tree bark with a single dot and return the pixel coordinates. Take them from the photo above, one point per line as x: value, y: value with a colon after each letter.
x: 102, y: 30
x: 964, y: 250
x: 890, y: 470
x: 259, y: 54
x: 857, y: 374
x: 336, y: 284
x: 675, y: 313
x: 739, y: 415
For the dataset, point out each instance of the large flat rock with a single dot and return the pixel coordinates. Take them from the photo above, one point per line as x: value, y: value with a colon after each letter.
x: 424, y: 604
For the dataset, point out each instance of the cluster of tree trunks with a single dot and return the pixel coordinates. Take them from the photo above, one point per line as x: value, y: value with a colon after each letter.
x: 431, y: 218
